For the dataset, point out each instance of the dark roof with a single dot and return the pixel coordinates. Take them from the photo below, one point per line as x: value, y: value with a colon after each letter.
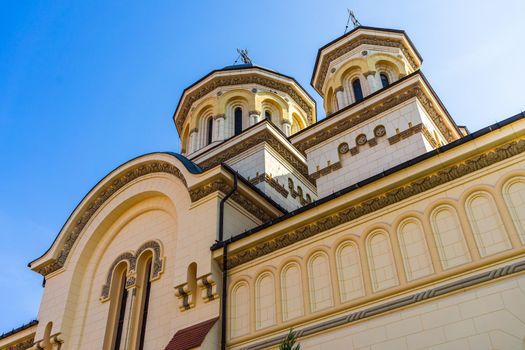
x: 377, y: 177
x: 19, y: 329
x: 398, y: 31
x: 191, y: 337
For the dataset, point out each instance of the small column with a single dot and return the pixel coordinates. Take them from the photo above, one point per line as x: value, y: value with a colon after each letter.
x: 372, y: 81
x: 340, y: 96
x: 193, y: 141
x: 287, y: 127
x: 254, y: 117
x: 218, y: 132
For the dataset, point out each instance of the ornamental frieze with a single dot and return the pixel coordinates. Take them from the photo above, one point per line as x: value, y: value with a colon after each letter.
x: 366, y: 40
x: 388, y: 103
x: 270, y: 181
x: 241, y: 79
x: 373, y: 204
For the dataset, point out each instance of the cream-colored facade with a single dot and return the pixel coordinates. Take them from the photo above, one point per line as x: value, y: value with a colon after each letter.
x: 382, y: 226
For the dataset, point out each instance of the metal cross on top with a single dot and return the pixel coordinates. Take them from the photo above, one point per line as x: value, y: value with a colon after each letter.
x: 243, y: 53
x: 351, y: 16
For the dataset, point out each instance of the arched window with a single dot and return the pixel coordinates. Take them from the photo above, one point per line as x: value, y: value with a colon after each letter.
x: 381, y: 261
x: 292, y: 292
x: 123, y: 298
x: 209, y: 130
x: 240, y: 310
x: 238, y: 120
x: 414, y: 249
x: 358, y: 92
x: 384, y: 80
x: 265, y: 301
x: 349, y: 271
x: 449, y: 238
x: 146, y: 283
x: 514, y: 195
x: 268, y: 115
x: 486, y: 224
x: 319, y: 278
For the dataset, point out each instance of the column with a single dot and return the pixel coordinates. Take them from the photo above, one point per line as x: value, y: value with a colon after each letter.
x: 193, y: 141
x: 287, y: 127
x: 340, y: 96
x: 254, y: 117
x: 218, y: 127
x: 372, y: 81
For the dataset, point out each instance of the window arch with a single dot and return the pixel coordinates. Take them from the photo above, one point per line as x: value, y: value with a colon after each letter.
x: 382, y: 267
x: 319, y: 282
x: 414, y: 249
x: 265, y: 301
x: 357, y: 89
x: 240, y: 309
x: 209, y: 130
x: 349, y: 271
x: 118, y: 295
x: 237, y: 113
x: 292, y: 292
x: 446, y: 229
x: 514, y: 195
x: 384, y: 80
x: 144, y: 299
x: 486, y: 224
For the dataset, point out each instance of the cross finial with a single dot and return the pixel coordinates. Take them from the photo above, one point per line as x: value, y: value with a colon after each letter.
x: 243, y: 53
x: 351, y: 16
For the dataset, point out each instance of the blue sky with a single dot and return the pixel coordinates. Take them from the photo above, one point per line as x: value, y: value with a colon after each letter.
x: 87, y: 85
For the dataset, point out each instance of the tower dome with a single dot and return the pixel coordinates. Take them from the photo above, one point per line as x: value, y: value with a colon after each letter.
x: 227, y: 101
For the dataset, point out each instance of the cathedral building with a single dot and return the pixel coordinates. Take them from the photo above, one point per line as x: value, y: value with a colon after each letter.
x: 384, y: 225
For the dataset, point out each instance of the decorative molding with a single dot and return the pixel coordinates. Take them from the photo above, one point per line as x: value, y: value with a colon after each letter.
x: 263, y: 136
x: 22, y: 344
x: 327, y: 170
x: 185, y: 296
x: 379, y: 202
x: 351, y: 45
x: 365, y: 114
x: 370, y: 72
x: 240, y: 79
x: 157, y: 267
x: 264, y: 177
x: 223, y: 116
x: 426, y: 133
x: 405, y: 133
x: 401, y: 302
x: 98, y: 199
x: 254, y: 112
x: 220, y: 185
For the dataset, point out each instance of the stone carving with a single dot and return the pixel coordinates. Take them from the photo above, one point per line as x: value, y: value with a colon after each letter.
x: 428, y: 136
x: 373, y: 204
x: 325, y: 171
x: 23, y: 344
x: 99, y: 198
x: 364, y: 40
x: 363, y: 115
x: 131, y: 258
x: 404, y: 301
x: 343, y: 148
x: 185, y: 296
x: 360, y: 140
x: 271, y: 181
x: 379, y: 131
x: 240, y: 79
x: 405, y: 133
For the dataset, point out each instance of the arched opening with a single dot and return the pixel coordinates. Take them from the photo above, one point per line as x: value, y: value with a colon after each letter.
x: 268, y: 115
x: 209, y: 131
x: 120, y: 303
x: 237, y: 120
x: 358, y: 91
x: 191, y: 279
x: 146, y: 283
x: 384, y: 80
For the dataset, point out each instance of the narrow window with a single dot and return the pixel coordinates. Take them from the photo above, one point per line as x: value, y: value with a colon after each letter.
x: 358, y: 92
x: 121, y: 312
x: 384, y: 80
x: 147, y: 292
x: 210, y: 131
x: 238, y: 120
x: 268, y: 115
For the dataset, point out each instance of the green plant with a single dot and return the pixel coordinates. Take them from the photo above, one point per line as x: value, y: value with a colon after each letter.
x: 290, y: 342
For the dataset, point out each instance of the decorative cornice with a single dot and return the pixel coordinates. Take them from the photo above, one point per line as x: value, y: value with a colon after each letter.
x: 281, y: 189
x: 263, y: 136
x: 433, y: 142
x: 379, y: 202
x: 240, y: 79
x: 402, y: 302
x: 405, y: 133
x: 327, y: 170
x: 365, y: 114
x: 23, y: 344
x: 222, y: 186
x: 351, y: 45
